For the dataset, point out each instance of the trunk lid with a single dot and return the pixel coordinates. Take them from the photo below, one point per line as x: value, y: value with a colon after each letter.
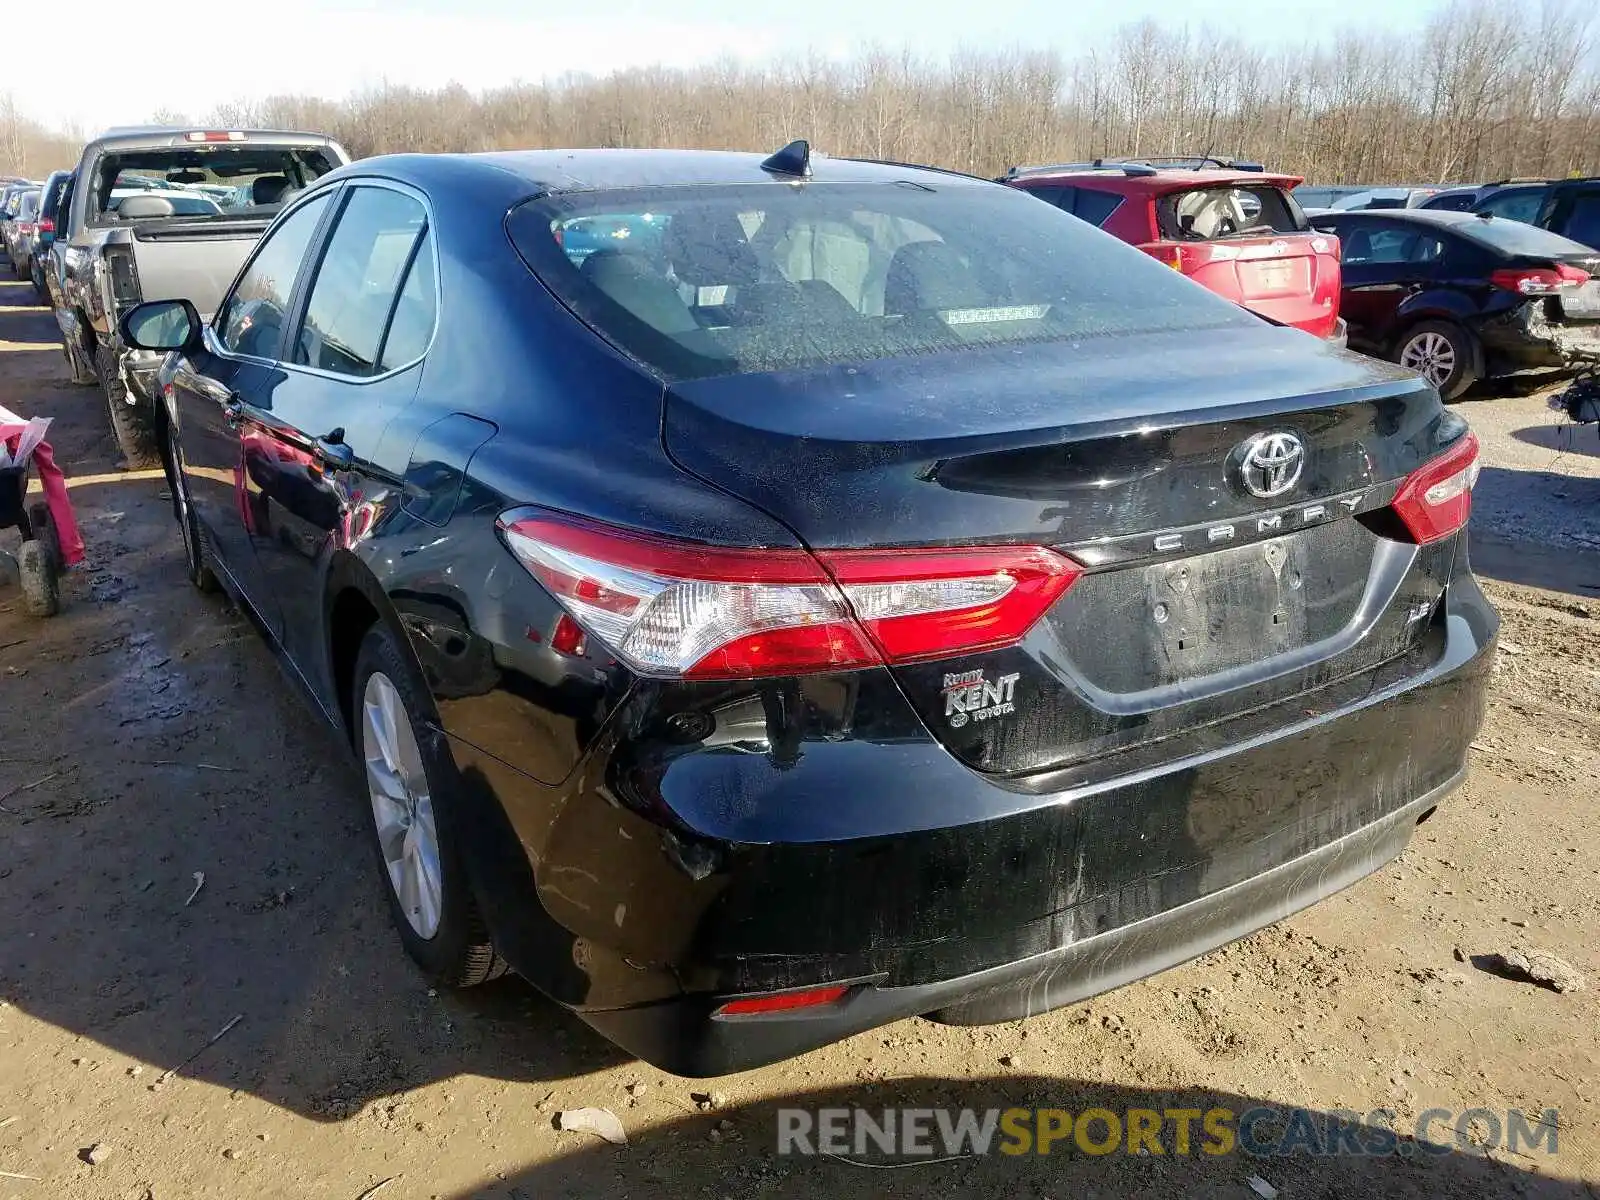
x: 1202, y: 602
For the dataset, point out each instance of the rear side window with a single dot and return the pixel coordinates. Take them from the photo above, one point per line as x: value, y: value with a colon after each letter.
x: 765, y: 277
x: 1095, y: 207
x: 358, y: 281
x: 1375, y: 243
x: 411, y: 327
x: 1210, y: 213
x: 1462, y: 202
x: 1519, y: 205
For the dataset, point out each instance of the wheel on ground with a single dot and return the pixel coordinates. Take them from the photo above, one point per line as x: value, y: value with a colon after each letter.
x: 133, y: 430
x: 44, y: 532
x: 41, y: 590
x: 1441, y: 352
x: 194, y: 543
x: 37, y: 275
x: 412, y: 789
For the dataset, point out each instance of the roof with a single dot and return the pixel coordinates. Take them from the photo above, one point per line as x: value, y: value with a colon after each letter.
x: 1158, y: 180
x: 600, y: 170
x: 153, y: 136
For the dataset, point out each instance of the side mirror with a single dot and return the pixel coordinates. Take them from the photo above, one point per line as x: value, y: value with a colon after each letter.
x: 161, y: 325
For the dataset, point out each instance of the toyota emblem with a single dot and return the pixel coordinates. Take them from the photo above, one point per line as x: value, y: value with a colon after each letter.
x: 1269, y: 464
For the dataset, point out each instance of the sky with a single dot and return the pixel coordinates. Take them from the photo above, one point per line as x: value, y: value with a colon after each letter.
x: 158, y: 60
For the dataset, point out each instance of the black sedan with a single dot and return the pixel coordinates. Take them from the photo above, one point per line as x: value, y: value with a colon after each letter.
x: 1459, y: 297
x: 872, y: 594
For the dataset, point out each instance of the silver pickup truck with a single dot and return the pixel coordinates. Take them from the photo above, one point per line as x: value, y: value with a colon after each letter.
x: 165, y: 214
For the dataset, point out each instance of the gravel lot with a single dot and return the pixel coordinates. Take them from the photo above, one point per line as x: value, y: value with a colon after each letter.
x: 145, y: 737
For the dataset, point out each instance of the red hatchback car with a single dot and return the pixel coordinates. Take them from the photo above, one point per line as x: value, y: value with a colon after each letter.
x: 1238, y: 232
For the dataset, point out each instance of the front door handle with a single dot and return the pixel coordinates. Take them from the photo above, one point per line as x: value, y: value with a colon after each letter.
x: 233, y: 408
x: 330, y: 450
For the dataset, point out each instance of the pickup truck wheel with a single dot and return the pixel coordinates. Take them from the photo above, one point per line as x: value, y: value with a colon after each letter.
x: 135, y: 438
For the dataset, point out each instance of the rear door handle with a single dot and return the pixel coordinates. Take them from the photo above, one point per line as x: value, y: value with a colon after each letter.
x: 331, y: 450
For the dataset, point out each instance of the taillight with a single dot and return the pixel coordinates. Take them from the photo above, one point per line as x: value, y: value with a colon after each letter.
x: 1539, y: 281
x: 47, y: 225
x: 214, y: 135
x: 679, y: 609
x: 782, y: 1001
x: 1165, y: 252
x: 27, y: 227
x: 1436, y: 499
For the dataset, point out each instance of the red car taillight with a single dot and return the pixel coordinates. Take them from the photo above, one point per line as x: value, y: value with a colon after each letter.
x: 1539, y: 281
x: 1436, y: 499
x: 679, y: 609
x: 27, y: 227
x: 47, y: 226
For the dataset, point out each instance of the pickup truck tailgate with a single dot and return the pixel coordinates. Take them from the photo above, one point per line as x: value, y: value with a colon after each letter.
x: 192, y: 261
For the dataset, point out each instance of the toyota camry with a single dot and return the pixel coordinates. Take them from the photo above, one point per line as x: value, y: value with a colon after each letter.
x: 873, y: 593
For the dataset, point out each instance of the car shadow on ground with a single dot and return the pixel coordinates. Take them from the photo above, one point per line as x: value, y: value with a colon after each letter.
x: 733, y: 1150
x: 146, y: 737
x: 1564, y: 438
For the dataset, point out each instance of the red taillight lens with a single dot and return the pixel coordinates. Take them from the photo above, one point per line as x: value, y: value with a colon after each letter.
x: 782, y: 1001
x: 677, y: 609
x: 1436, y: 499
x: 27, y: 227
x: 1165, y: 252
x: 1539, y: 281
x: 918, y: 604
x: 47, y: 226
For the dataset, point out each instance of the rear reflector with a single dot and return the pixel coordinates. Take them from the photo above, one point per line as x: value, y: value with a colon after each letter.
x: 1436, y: 499
x: 684, y: 610
x: 782, y: 1001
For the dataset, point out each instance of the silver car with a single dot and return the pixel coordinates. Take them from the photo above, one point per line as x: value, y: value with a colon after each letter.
x: 22, y: 232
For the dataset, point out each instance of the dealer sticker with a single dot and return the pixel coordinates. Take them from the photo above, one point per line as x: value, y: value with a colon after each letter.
x: 968, y: 696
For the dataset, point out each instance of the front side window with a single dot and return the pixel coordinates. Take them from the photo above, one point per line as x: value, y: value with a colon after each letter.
x: 357, y: 284
x: 251, y: 319
x: 737, y: 279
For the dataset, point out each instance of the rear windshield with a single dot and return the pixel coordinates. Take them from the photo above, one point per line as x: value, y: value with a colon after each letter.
x: 1513, y: 237
x: 697, y: 281
x: 1209, y: 213
x: 239, y: 181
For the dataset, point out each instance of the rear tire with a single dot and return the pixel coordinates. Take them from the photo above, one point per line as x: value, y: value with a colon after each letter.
x: 414, y: 816
x: 1443, y: 353
x: 135, y: 437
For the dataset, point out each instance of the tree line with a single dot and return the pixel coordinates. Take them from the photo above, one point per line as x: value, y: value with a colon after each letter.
x: 1489, y: 89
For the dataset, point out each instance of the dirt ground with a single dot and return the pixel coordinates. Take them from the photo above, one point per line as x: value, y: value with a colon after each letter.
x: 146, y: 737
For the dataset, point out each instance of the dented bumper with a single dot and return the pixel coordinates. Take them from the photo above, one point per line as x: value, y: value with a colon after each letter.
x: 992, y: 899
x: 1536, y: 336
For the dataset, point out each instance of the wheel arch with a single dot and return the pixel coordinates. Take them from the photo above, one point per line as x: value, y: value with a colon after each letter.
x: 355, y: 601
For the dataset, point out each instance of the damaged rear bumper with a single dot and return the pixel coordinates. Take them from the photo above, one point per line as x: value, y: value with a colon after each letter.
x: 1083, y: 890
x: 1535, y: 336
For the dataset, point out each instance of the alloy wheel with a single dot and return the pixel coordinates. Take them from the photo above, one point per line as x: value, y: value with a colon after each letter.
x: 402, y: 806
x: 1430, y: 355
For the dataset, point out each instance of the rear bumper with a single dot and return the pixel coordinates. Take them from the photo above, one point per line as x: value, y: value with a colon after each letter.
x: 1525, y: 339
x: 665, y: 888
x: 684, y: 1037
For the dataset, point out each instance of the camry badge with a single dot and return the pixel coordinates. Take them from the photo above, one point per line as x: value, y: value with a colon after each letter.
x: 1269, y: 464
